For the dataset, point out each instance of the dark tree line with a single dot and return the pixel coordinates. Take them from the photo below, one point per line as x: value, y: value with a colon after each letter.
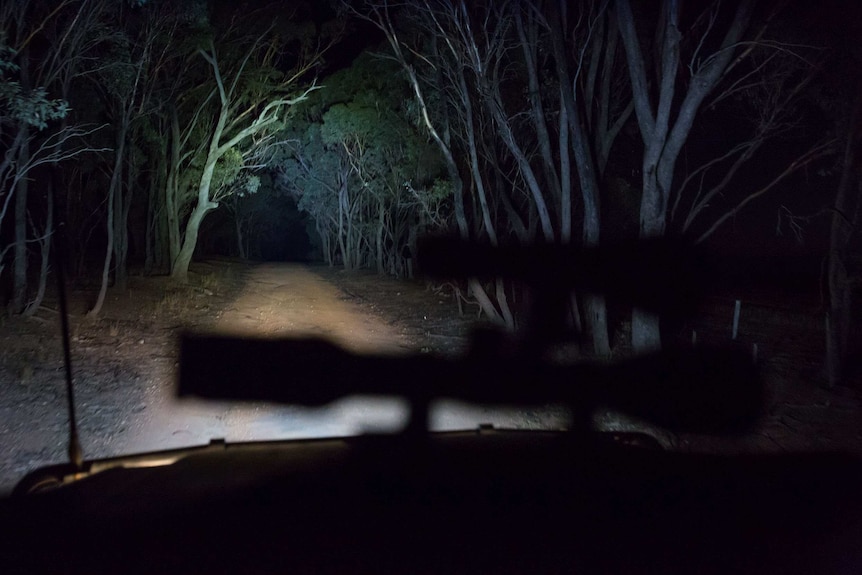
x: 537, y: 108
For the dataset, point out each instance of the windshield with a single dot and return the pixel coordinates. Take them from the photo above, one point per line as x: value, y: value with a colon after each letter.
x: 270, y: 171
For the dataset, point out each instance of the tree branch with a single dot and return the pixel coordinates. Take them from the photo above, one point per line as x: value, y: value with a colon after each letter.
x: 815, y: 153
x: 637, y: 69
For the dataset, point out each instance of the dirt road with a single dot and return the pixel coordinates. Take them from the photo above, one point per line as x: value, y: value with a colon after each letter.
x: 125, y: 365
x: 293, y: 300
x: 125, y: 361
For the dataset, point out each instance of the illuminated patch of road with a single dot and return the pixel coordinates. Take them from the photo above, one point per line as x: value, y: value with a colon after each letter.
x: 291, y: 300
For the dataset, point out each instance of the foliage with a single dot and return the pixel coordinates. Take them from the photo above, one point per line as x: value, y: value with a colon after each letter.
x: 32, y: 107
x: 359, y: 166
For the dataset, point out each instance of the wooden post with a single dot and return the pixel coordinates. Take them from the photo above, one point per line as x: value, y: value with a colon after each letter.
x: 736, y: 309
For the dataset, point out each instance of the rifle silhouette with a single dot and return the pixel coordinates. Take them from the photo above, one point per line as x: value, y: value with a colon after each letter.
x: 705, y: 390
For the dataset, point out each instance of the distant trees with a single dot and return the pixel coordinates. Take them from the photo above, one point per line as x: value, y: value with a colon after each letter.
x: 361, y: 170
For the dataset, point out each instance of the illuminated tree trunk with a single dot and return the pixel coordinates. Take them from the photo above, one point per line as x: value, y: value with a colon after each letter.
x: 596, y: 311
x: 19, y: 285
x: 172, y: 190
x: 663, y: 134
x: 113, y: 191
x: 45, y: 244
x: 190, y: 240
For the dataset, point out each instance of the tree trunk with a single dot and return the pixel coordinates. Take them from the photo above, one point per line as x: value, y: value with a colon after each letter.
x: 596, y: 318
x: 161, y: 240
x: 19, y: 286
x: 45, y: 245
x: 203, y: 206
x: 151, y: 237
x: 494, y: 104
x: 343, y: 232
x: 113, y: 192
x: 121, y: 234
x: 381, y: 216
x: 528, y: 38
x: 239, y: 240
x: 848, y: 199
x: 172, y: 183
x: 646, y: 326
x: 181, y: 265
x: 565, y: 177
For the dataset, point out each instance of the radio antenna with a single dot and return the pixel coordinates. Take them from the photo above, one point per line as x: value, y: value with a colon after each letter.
x: 76, y: 455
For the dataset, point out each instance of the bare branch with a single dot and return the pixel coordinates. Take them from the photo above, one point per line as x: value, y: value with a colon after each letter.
x: 745, y: 150
x: 816, y: 152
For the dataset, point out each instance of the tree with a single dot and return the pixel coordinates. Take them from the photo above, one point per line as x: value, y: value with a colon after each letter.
x: 592, y: 134
x: 845, y: 225
x: 475, y: 61
x: 121, y: 77
x: 721, y: 47
x: 663, y: 120
x: 359, y: 168
x: 250, y: 99
x: 33, y: 125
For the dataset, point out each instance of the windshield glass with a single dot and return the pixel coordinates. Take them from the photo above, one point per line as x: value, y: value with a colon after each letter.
x: 270, y: 168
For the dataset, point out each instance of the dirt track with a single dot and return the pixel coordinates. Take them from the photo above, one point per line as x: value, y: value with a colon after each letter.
x: 276, y: 300
x: 125, y: 365
x: 125, y: 361
x: 292, y: 300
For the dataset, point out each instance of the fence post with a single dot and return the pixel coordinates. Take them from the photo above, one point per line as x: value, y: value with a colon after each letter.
x: 736, y: 309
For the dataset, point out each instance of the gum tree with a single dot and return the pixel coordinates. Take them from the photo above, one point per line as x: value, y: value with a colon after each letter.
x: 524, y: 116
x: 666, y: 110
x: 241, y: 116
x: 728, y: 58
